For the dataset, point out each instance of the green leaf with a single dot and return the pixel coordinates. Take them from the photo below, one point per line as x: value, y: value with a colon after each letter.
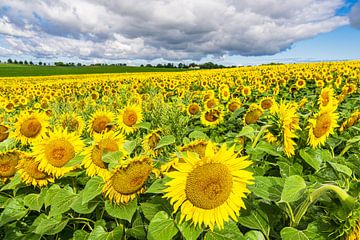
x: 14, y: 210
x: 92, y: 189
x: 312, y: 157
x: 138, y: 228
x: 157, y: 186
x: 83, y: 208
x: 34, y: 201
x: 62, y: 201
x: 289, y: 233
x: 354, y: 139
x: 341, y: 168
x: 293, y: 189
x: 124, y: 211
x: 254, y: 235
x: 151, y: 207
x: 7, y: 144
x: 129, y: 146
x: 187, y: 230
x: 46, y: 225
x: 50, y: 193
x: 144, y: 125
x: 75, y: 161
x: 230, y: 232
x: 112, y: 157
x: 268, y: 188
x: 255, y: 219
x: 198, y: 135
x: 13, y: 184
x: 100, y: 233
x: 165, y: 141
x: 267, y: 148
x: 161, y: 227
x: 247, y: 131
x: 80, y: 235
x: 287, y: 169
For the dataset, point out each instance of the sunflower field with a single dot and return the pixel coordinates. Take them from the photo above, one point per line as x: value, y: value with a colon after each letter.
x: 249, y: 153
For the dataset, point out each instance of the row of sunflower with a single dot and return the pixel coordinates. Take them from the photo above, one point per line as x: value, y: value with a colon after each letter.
x: 246, y: 153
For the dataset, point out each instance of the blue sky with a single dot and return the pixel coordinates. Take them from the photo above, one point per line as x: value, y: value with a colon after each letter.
x: 230, y: 32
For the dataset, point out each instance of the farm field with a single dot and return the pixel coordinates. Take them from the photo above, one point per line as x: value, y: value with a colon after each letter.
x: 16, y: 70
x: 267, y: 152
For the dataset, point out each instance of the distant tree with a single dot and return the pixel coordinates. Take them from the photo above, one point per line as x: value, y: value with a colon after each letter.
x: 21, y: 62
x: 31, y: 63
x: 159, y: 65
x: 10, y: 60
x: 26, y: 62
x: 16, y: 62
x: 40, y: 63
x: 59, y: 64
x: 149, y: 65
x: 79, y: 64
x: 142, y: 65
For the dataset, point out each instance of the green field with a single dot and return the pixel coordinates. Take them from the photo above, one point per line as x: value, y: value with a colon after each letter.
x: 17, y: 70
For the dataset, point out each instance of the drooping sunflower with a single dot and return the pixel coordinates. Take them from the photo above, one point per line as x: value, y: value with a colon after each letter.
x: 55, y: 150
x: 101, y: 121
x: 211, y: 103
x: 351, y: 121
x: 72, y: 122
x: 192, y: 109
x: 327, y: 97
x: 322, y: 125
x: 198, y: 146
x: 104, y: 143
x: 212, y: 117
x: 4, y: 132
x: 128, y: 179
x: 8, y: 162
x: 209, y: 189
x: 253, y: 114
x: 129, y: 117
x: 150, y: 141
x: 30, y: 127
x: 267, y: 102
x: 233, y: 104
x: 30, y: 173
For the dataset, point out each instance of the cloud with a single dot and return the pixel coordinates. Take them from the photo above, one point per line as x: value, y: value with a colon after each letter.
x: 355, y: 16
x: 168, y: 29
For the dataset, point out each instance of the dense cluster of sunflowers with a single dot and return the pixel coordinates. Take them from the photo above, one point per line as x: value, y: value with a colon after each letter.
x: 212, y: 143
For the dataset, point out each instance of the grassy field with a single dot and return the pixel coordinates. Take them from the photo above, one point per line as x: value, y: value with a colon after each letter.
x: 17, y: 70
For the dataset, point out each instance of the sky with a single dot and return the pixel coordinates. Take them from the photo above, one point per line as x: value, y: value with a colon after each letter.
x: 229, y: 32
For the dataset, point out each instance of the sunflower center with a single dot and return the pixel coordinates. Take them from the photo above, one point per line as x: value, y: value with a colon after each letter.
x: 30, y: 128
x: 266, y: 104
x: 193, y: 109
x: 252, y: 116
x: 130, y: 117
x: 59, y: 152
x: 322, y: 126
x: 211, y: 103
x: 8, y: 164
x: 3, y: 133
x: 100, y: 124
x: 212, y: 116
x: 209, y: 186
x: 233, y: 106
x: 132, y: 178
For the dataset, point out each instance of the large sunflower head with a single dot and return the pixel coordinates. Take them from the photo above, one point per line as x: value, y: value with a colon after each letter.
x: 30, y: 126
x: 101, y: 121
x: 104, y: 143
x: 30, y: 173
x: 322, y: 125
x: 8, y: 162
x: 267, y: 102
x: 128, y: 179
x: 129, y: 117
x: 209, y: 189
x: 72, y: 122
x: 253, y: 114
x: 55, y: 150
x: 212, y: 117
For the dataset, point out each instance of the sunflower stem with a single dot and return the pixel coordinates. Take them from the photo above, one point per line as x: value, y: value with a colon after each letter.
x: 262, y: 130
x: 347, y: 147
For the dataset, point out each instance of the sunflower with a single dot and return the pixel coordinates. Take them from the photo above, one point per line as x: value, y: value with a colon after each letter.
x: 104, y: 143
x: 197, y: 146
x: 150, y: 141
x: 72, y: 122
x: 4, y: 134
x: 30, y: 173
x: 354, y: 234
x: 55, y: 150
x: 224, y: 93
x: 211, y: 103
x: 129, y: 117
x: 30, y: 126
x: 327, y: 97
x: 246, y: 91
x: 128, y: 179
x: 101, y: 121
x: 322, y: 125
x: 351, y: 121
x: 233, y: 104
x: 192, y: 109
x: 267, y: 102
x: 212, y: 117
x: 253, y: 114
x: 300, y: 83
x: 209, y: 189
x: 8, y: 162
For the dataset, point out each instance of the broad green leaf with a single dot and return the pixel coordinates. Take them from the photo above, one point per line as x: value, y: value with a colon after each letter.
x: 287, y: 169
x: 151, y: 207
x: 123, y: 211
x: 157, y: 186
x: 7, y: 144
x: 129, y: 146
x: 75, y: 161
x: 198, y: 135
x: 230, y: 232
x: 161, y: 227
x: 341, y: 168
x: 165, y: 141
x: 13, y: 184
x: 80, y: 235
x: 254, y: 235
x: 188, y: 231
x: 51, y: 192
x: 138, y: 228
x: 92, y: 188
x: 62, y: 202
x: 319, y: 230
x: 354, y: 139
x: 46, y: 225
x: 268, y: 188
x: 267, y: 148
x: 247, y: 131
x: 312, y: 157
x: 293, y: 189
x: 112, y: 157
x: 289, y: 233
x: 100, y: 233
x: 255, y: 219
x: 83, y: 208
x: 144, y: 125
x: 14, y: 210
x: 34, y: 201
